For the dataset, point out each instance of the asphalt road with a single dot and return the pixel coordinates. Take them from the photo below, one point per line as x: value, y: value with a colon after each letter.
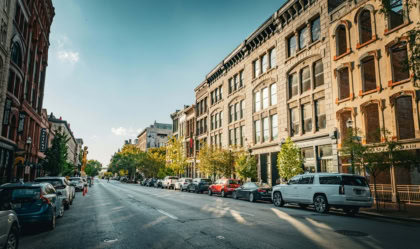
x: 118, y: 215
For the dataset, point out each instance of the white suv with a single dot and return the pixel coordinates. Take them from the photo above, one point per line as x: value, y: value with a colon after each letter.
x: 325, y: 190
x: 169, y: 182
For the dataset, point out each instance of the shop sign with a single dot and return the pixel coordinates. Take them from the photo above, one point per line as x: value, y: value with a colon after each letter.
x: 43, y: 140
x: 21, y: 125
x: 7, y: 108
x: 27, y: 170
x: 413, y: 146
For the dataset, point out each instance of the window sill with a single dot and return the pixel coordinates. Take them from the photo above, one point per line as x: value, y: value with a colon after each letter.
x: 260, y: 76
x: 361, y: 93
x: 342, y: 55
x: 314, y: 43
x: 235, y: 91
x: 289, y: 58
x: 337, y: 101
x: 387, y: 32
x: 392, y: 84
x: 359, y: 46
x: 301, y: 50
x: 215, y: 103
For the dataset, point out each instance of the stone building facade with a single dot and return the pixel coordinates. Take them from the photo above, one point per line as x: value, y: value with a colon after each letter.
x: 72, y: 145
x: 154, y: 136
x: 371, y: 84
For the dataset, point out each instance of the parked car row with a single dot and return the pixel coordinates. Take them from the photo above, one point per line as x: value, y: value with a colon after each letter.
x: 34, y: 203
x: 320, y: 190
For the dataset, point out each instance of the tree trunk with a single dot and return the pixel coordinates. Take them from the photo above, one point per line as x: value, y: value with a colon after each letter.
x: 376, y: 192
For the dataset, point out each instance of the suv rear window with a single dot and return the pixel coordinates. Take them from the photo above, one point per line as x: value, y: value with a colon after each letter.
x: 354, y: 181
x: 173, y: 177
x: 334, y: 180
x: 20, y: 194
x: 55, y: 182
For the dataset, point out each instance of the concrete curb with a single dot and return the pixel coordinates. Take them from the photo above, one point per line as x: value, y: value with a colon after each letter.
x: 370, y: 214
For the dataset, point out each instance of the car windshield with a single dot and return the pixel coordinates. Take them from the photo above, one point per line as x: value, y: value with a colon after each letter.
x: 262, y: 185
x: 206, y: 180
x: 54, y: 182
x: 12, y: 194
x: 234, y: 182
x: 354, y: 181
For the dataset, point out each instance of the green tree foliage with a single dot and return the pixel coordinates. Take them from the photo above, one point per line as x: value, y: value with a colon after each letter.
x: 68, y: 170
x: 289, y: 160
x: 245, y: 165
x: 56, y: 155
x: 353, y: 149
x: 176, y: 160
x: 93, y: 167
x: 216, y: 161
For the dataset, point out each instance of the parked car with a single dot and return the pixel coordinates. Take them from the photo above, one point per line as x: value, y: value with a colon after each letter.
x: 151, y: 182
x: 325, y: 190
x: 158, y: 183
x: 61, y: 185
x: 123, y: 179
x: 253, y: 191
x: 182, y: 183
x: 199, y: 185
x: 224, y: 187
x: 77, y: 182
x: 9, y: 224
x: 169, y: 182
x: 36, y: 202
x: 144, y: 182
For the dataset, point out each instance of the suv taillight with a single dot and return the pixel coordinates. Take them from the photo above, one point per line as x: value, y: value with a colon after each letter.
x: 261, y: 190
x: 45, y: 200
x: 341, y: 190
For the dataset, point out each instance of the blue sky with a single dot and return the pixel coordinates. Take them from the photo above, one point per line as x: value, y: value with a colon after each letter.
x: 116, y: 66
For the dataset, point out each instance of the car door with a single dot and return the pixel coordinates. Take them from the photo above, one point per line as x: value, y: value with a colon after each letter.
x: 241, y: 190
x: 4, y: 212
x: 289, y: 191
x: 304, y: 189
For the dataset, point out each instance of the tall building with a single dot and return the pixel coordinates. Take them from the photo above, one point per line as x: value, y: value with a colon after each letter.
x: 25, y: 71
x: 154, y: 136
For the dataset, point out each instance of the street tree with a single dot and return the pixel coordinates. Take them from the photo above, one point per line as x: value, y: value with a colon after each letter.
x: 56, y: 155
x: 207, y: 160
x: 289, y: 160
x: 353, y: 149
x: 93, y: 167
x: 245, y: 165
x: 175, y: 156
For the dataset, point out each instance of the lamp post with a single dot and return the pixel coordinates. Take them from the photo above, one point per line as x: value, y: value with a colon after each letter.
x: 349, y: 125
x: 28, y: 153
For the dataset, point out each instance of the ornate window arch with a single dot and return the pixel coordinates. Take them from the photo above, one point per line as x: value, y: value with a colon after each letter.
x: 16, y: 53
x: 372, y: 120
x: 369, y: 64
x: 342, y: 39
x: 365, y: 19
x: 397, y: 50
x: 402, y: 103
x: 343, y: 115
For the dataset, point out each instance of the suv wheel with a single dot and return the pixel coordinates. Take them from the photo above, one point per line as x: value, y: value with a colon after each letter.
x: 251, y: 197
x: 234, y: 195
x: 51, y: 223
x: 61, y: 212
x: 210, y: 193
x: 223, y: 194
x: 71, y: 201
x: 12, y: 239
x: 197, y: 191
x: 278, y: 199
x: 321, y: 204
x: 351, y: 211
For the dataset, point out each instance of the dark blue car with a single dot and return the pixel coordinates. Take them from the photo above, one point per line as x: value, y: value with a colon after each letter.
x: 34, y: 202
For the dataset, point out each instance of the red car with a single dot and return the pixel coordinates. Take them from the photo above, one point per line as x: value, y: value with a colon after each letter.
x: 224, y: 187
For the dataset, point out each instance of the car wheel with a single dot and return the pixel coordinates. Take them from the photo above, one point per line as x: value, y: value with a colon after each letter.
x: 234, y: 195
x: 278, y: 199
x: 223, y: 194
x: 304, y: 206
x: 12, y: 239
x: 66, y: 206
x: 61, y: 213
x: 210, y: 193
x: 251, y: 197
x: 71, y: 201
x: 321, y: 204
x: 51, y: 223
x: 196, y: 191
x: 351, y: 211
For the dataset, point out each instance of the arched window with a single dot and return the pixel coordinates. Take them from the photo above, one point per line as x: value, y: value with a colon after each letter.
x: 341, y: 40
x: 16, y: 54
x: 372, y: 126
x: 396, y: 15
x: 368, y: 73
x: 13, y: 126
x: 365, y: 26
x: 343, y: 83
x: 344, y: 117
x: 399, y: 62
x: 404, y: 117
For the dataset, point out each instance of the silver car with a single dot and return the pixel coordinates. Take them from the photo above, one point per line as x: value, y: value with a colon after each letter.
x: 77, y: 182
x: 9, y: 225
x: 61, y: 185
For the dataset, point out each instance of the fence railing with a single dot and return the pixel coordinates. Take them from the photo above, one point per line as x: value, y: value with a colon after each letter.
x: 406, y: 193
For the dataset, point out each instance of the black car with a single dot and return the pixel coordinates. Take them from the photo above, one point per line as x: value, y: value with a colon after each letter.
x: 199, y: 185
x: 253, y: 191
x: 151, y: 182
x: 158, y: 183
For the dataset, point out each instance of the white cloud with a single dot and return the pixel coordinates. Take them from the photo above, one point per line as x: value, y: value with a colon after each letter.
x: 125, y: 132
x: 68, y: 56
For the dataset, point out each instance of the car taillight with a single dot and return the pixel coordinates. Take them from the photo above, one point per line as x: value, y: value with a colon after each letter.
x: 262, y: 190
x: 45, y: 200
x: 185, y: 183
x: 341, y: 190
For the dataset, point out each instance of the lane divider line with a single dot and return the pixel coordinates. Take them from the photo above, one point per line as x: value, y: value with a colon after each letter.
x: 167, y: 214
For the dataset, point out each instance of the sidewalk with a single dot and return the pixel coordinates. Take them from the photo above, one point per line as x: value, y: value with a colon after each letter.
x: 409, y: 212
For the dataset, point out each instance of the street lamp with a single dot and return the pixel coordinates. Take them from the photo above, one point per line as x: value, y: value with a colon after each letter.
x: 349, y: 125
x: 28, y: 145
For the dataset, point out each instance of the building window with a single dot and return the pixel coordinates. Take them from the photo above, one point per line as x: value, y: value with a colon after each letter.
x: 242, y: 108
x: 257, y: 103
x: 307, y: 118
x: 343, y: 83
x: 215, y: 121
x: 13, y: 125
x: 230, y: 86
x: 321, y: 121
x: 316, y: 29
x: 212, y: 97
x: 405, y: 120
x: 368, y: 74
x: 16, y: 54
x: 293, y: 85
x: 237, y: 111
x: 205, y: 124
x: 305, y: 78
x: 230, y: 114
x: 372, y: 126
x: 242, y: 135
x: 308, y: 153
x: 344, y: 117
x: 341, y: 40
x: 231, y: 137
x: 257, y: 128
x: 399, y: 62
x: 273, y: 89
x: 265, y: 129
x: 235, y: 82
x: 220, y: 92
x: 256, y: 67
x: 212, y: 122
x: 303, y: 37
x: 274, y: 127
x: 291, y: 46
x: 220, y: 118
x: 318, y: 74
x: 241, y: 78
x: 294, y: 120
x: 237, y: 136
x: 264, y: 63
x: 265, y: 97
x: 220, y: 139
x: 396, y: 15
x: 273, y: 58
x: 365, y: 26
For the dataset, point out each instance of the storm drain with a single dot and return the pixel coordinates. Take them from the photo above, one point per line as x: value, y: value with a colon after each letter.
x: 352, y: 233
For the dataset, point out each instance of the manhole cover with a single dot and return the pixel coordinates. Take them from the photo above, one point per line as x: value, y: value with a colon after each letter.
x: 351, y: 233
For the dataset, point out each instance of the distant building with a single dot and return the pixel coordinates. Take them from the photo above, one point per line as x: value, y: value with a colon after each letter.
x: 154, y: 136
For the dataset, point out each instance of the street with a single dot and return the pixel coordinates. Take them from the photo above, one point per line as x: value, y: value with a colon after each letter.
x: 119, y: 215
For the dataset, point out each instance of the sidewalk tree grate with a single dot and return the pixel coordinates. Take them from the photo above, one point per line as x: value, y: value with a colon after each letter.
x: 352, y: 233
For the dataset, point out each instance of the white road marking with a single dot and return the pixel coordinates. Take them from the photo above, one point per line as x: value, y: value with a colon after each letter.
x: 110, y: 240
x: 167, y: 214
x: 228, y: 209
